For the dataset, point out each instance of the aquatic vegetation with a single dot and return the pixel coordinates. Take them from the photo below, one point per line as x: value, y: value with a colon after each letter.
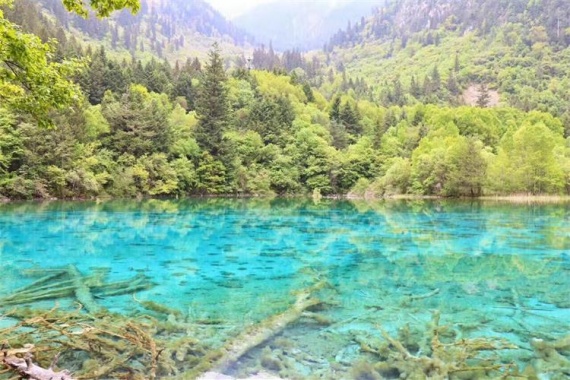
x: 104, y: 346
x: 454, y: 360
x: 116, y: 346
x: 553, y: 359
x: 112, y: 345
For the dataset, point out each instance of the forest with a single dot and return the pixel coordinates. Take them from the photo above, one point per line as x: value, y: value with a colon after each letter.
x: 84, y: 122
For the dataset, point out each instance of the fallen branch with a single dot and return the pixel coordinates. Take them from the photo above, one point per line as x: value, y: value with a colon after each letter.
x: 82, y: 291
x: 25, y: 366
x: 224, y: 358
x: 69, y: 282
x: 416, y: 297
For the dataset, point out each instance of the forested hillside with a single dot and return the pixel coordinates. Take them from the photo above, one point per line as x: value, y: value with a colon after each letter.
x: 172, y: 29
x: 327, y: 123
x: 435, y: 51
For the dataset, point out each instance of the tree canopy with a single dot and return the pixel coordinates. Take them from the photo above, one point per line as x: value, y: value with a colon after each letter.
x: 32, y: 81
x: 102, y: 8
x: 127, y: 128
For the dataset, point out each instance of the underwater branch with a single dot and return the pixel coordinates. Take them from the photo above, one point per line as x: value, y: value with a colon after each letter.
x: 25, y: 367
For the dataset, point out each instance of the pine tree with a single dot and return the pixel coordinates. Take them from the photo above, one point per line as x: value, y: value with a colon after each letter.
x: 183, y: 88
x: 456, y: 65
x: 212, y: 105
x: 334, y: 113
x: 308, y: 92
x: 435, y: 79
x: 415, y: 89
x: 484, y: 97
x: 452, y: 85
x: 349, y: 118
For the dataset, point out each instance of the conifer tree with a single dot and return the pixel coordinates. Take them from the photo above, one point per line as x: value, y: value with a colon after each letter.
x: 349, y: 117
x: 334, y: 113
x: 456, y: 65
x: 484, y: 97
x: 415, y: 88
x: 212, y: 105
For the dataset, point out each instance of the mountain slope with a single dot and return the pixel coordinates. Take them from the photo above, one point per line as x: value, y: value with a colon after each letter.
x: 432, y: 51
x: 301, y: 25
x: 174, y: 29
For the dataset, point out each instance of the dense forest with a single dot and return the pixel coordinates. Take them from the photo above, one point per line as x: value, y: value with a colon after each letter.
x: 448, y: 52
x: 296, y: 123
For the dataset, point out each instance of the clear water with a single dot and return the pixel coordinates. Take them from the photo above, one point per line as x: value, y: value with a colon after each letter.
x: 493, y: 270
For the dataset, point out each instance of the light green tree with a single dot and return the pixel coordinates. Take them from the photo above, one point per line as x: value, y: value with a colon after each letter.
x: 102, y: 8
x: 527, y: 162
x: 31, y: 81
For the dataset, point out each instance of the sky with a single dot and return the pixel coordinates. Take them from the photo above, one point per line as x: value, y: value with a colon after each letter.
x: 233, y: 8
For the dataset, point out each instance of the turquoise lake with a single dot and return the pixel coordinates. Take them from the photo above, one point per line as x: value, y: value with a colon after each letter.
x: 494, y: 270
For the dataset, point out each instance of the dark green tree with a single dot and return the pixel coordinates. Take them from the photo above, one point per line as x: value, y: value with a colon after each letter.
x: 350, y: 119
x: 308, y: 92
x: 272, y: 119
x: 139, y: 123
x: 483, y: 98
x: 334, y: 113
x: 183, y: 88
x: 415, y: 88
x: 452, y: 85
x: 456, y: 65
x: 212, y: 105
x: 435, y: 79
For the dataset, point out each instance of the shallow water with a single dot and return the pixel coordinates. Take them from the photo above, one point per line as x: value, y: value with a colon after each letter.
x: 490, y: 269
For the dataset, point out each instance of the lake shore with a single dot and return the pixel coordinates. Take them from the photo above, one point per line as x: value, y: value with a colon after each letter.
x: 512, y: 198
x: 524, y: 198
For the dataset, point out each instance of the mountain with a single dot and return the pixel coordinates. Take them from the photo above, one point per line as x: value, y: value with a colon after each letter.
x: 173, y: 29
x: 302, y: 25
x: 439, y: 51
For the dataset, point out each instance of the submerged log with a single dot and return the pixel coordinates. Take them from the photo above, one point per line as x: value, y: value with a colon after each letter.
x: 69, y: 282
x: 82, y: 291
x: 224, y: 358
x: 44, y: 280
x: 25, y: 367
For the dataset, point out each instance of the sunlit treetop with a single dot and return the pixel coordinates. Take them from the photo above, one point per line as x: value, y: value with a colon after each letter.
x: 102, y: 8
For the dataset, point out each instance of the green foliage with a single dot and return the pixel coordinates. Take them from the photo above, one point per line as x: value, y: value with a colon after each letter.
x: 272, y: 118
x: 358, y: 162
x: 30, y: 81
x: 102, y: 8
x: 397, y: 177
x: 211, y: 175
x: 138, y: 122
x: 212, y: 106
x: 160, y: 131
x: 11, y: 147
x: 315, y: 158
x: 527, y: 162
